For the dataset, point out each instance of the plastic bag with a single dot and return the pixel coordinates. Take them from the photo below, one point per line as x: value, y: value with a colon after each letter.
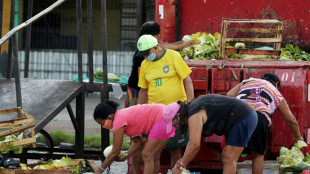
x: 85, y: 167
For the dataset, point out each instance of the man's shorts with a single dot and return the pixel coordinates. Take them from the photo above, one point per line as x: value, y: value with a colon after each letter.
x: 240, y: 134
x: 258, y: 139
x: 177, y: 141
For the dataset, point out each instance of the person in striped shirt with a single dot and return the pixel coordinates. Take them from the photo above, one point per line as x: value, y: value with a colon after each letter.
x: 263, y: 95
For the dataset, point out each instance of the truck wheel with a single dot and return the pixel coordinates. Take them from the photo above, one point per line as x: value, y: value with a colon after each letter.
x: 48, y: 139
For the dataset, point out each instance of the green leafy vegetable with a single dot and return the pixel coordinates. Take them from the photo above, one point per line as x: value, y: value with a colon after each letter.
x: 293, y: 157
x: 12, y: 138
x: 98, y: 73
x: 65, y: 161
x: 206, y: 47
x: 300, y: 144
x: 293, y: 53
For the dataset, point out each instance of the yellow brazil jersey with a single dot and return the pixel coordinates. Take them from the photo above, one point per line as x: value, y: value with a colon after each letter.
x: 164, y: 78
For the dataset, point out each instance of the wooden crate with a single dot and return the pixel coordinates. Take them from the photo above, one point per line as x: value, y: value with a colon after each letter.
x: 20, y: 171
x: 15, y: 126
x: 275, y: 28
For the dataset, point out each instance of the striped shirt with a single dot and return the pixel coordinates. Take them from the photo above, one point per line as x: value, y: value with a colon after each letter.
x: 261, y: 95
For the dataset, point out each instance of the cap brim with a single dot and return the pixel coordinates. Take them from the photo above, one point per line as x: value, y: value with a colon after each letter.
x: 143, y: 53
x: 169, y: 113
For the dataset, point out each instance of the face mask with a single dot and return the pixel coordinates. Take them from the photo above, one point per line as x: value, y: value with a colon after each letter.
x: 108, y: 124
x: 151, y: 57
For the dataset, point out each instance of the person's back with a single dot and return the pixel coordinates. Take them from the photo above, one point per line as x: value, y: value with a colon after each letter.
x: 135, y: 120
x: 223, y: 112
x: 262, y: 95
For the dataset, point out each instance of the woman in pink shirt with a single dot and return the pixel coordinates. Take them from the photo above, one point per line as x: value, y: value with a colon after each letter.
x: 154, y: 120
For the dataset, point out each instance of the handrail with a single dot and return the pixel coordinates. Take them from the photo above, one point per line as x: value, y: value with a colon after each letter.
x: 29, y: 21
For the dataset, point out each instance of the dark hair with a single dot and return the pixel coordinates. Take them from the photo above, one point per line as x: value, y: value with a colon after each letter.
x: 183, y: 122
x: 104, y: 109
x: 150, y: 27
x: 272, y: 78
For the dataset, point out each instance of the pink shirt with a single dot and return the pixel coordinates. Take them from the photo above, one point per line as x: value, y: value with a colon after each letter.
x: 138, y: 119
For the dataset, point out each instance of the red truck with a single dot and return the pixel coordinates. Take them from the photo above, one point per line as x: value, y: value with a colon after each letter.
x: 184, y: 17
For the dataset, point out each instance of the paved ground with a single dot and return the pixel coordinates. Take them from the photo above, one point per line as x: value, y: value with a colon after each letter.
x: 62, y: 120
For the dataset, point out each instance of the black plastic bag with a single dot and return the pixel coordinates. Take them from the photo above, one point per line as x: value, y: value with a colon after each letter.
x: 85, y: 167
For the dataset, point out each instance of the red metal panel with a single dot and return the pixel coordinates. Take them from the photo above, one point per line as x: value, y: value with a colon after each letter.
x: 222, y: 80
x: 293, y: 82
x: 258, y: 72
x: 206, y: 15
x: 249, y: 64
x: 166, y: 19
x: 199, y: 77
x: 209, y: 153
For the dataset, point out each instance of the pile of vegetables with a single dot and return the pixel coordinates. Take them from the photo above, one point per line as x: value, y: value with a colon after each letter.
x: 293, y: 53
x: 206, y: 47
x: 293, y: 157
x: 50, y: 164
x: 64, y: 162
x: 98, y: 74
x: 12, y: 138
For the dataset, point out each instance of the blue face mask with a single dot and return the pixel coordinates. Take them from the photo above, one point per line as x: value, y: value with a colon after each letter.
x: 151, y: 57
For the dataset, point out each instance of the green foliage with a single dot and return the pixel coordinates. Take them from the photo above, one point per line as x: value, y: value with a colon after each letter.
x: 293, y: 53
x: 90, y: 141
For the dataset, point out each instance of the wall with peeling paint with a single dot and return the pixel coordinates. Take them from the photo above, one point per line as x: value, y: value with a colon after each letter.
x: 206, y: 16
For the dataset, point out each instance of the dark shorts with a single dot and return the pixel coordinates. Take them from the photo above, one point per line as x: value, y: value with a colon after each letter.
x: 177, y: 141
x: 240, y: 134
x: 133, y: 95
x: 258, y: 139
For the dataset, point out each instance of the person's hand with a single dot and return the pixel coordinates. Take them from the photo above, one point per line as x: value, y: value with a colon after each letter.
x: 299, y: 138
x: 189, y: 43
x: 99, y: 171
x: 175, y: 170
x: 120, y: 159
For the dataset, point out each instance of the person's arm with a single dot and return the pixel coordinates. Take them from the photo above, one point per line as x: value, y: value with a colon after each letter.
x: 176, y: 45
x: 142, y: 99
x: 136, y: 144
x: 195, y: 125
x: 234, y: 91
x: 290, y: 119
x: 117, y: 146
x: 188, y: 84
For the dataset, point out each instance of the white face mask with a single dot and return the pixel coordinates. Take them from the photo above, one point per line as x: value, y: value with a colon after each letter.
x: 151, y: 57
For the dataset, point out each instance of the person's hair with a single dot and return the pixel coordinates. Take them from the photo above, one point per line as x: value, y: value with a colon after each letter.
x: 150, y: 27
x: 183, y: 122
x: 104, y: 109
x: 272, y: 78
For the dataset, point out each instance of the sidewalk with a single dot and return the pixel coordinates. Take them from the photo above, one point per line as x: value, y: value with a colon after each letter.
x: 63, y: 122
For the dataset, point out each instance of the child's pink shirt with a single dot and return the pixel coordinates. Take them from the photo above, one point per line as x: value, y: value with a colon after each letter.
x: 138, y: 119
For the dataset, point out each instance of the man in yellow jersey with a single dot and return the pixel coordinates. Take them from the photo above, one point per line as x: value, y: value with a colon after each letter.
x: 164, y: 78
